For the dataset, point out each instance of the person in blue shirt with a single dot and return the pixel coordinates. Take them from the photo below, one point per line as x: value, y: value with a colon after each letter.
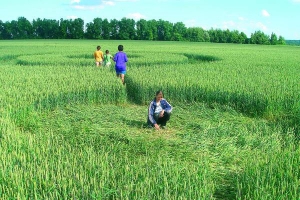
x: 120, y: 59
x: 159, y: 111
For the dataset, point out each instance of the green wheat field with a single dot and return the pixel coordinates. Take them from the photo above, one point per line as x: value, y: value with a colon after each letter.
x: 70, y: 130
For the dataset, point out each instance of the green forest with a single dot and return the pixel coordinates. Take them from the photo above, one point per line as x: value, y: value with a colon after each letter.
x: 293, y: 42
x: 127, y: 29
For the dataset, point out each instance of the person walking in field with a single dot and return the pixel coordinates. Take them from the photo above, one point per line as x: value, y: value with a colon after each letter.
x: 159, y: 111
x: 98, y: 55
x: 107, y: 58
x: 120, y: 63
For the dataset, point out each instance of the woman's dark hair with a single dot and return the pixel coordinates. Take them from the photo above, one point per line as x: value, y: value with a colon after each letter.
x: 120, y: 47
x: 98, y: 47
x: 159, y: 91
x: 106, y: 51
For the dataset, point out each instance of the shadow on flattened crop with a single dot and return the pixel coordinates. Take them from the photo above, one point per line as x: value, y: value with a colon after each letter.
x: 226, y: 189
x: 135, y: 123
x: 7, y: 58
x: 53, y: 101
x: 133, y: 55
x: 86, y: 56
x: 196, y: 58
x: 89, y: 96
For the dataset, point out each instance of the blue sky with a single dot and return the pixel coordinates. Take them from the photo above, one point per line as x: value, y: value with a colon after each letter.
x: 279, y: 16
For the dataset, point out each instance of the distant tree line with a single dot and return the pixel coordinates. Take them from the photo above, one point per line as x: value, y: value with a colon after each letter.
x: 293, y: 42
x: 126, y: 29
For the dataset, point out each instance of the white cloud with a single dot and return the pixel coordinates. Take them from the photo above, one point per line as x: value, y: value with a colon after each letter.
x: 241, y: 18
x: 247, y: 26
x: 135, y: 16
x: 228, y: 24
x: 88, y: 7
x: 265, y: 13
x: 75, y: 1
x: 191, y: 23
x: 95, y: 4
x: 297, y: 1
x: 72, y: 17
x: 261, y: 26
x: 109, y: 3
x: 79, y: 7
x: 126, y: 0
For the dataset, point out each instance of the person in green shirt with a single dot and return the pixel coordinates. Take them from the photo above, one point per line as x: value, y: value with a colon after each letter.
x: 107, y: 59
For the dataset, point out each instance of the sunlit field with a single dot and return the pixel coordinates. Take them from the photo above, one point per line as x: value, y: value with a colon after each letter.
x: 70, y: 130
